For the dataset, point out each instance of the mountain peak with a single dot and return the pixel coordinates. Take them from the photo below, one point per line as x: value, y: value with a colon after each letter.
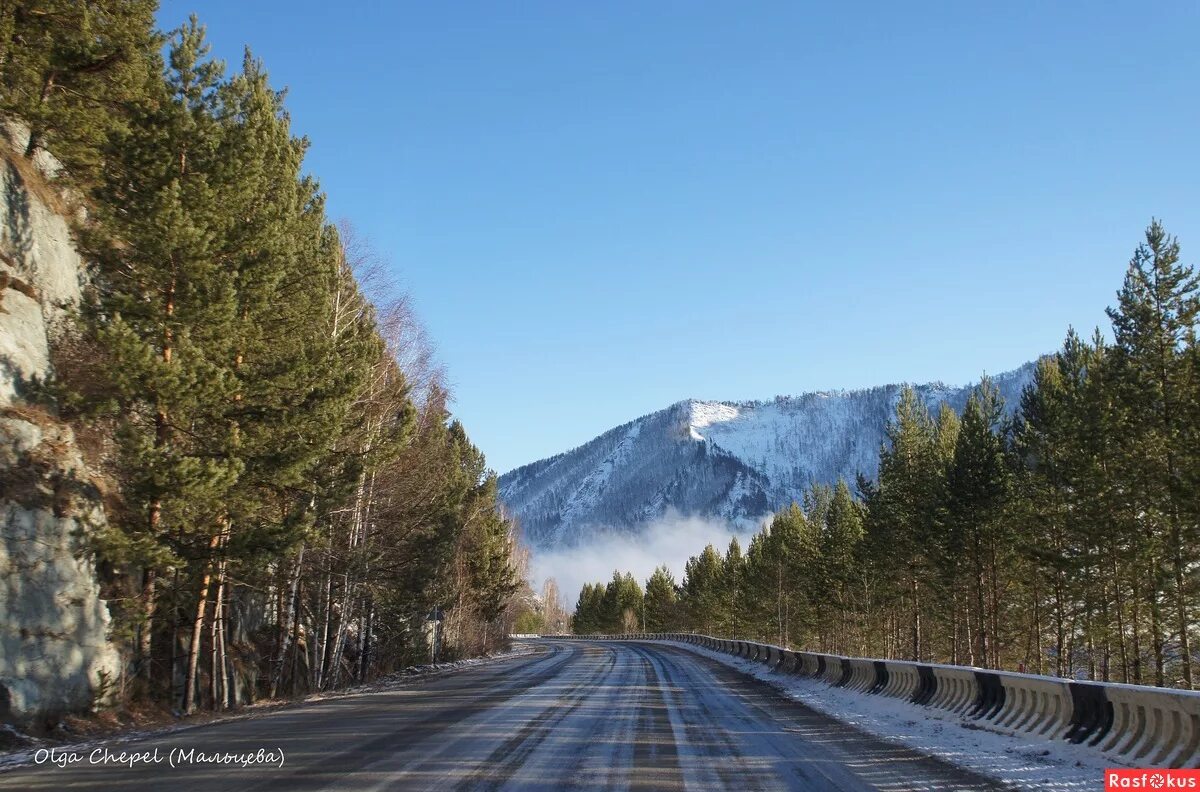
x: 703, y: 414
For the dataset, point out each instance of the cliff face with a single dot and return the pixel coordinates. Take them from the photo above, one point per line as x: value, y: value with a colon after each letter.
x: 55, y: 654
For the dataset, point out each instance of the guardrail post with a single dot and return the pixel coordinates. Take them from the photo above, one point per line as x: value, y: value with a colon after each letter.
x: 927, y: 686
x: 1092, y: 715
x: 991, y: 695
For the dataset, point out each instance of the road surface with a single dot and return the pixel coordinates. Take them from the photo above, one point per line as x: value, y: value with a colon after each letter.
x: 574, y: 715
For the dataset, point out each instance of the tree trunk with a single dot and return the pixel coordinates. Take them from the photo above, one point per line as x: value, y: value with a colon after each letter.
x: 1122, y: 644
x: 189, y: 691
x: 220, y: 681
x: 326, y: 618
x: 916, y: 618
x: 1135, y: 616
x: 980, y: 607
x: 994, y: 604
x: 1185, y: 643
x: 146, y: 629
x: 1156, y: 630
x: 1037, y: 624
x: 1060, y: 626
x: 285, y: 636
x: 365, y: 657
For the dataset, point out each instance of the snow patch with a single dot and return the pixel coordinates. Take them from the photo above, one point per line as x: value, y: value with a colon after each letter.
x: 1023, y: 761
x: 702, y: 414
x: 593, y: 485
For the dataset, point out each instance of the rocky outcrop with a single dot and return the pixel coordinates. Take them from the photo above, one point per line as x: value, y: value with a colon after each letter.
x: 55, y: 653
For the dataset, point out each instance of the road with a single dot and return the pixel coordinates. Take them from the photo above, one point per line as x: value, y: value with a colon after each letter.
x: 574, y: 715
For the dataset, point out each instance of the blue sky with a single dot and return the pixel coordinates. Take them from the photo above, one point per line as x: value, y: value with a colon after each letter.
x: 603, y: 208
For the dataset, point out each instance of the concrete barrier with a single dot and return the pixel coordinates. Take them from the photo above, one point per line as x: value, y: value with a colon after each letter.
x: 811, y: 664
x: 837, y: 670
x: 1154, y: 725
x: 903, y: 680
x: 862, y: 674
x: 788, y: 664
x: 957, y: 689
x: 1035, y: 704
x: 990, y: 695
x: 1091, y: 716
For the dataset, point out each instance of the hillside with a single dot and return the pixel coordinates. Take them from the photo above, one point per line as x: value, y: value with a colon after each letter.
x: 734, y: 461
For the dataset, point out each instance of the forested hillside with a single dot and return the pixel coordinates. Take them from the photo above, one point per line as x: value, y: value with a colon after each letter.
x: 290, y: 506
x: 736, y: 462
x: 1062, y: 540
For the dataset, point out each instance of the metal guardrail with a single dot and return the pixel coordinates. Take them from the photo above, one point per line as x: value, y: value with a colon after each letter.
x: 1129, y: 723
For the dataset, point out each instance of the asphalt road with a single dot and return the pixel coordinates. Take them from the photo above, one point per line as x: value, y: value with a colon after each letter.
x: 575, y: 715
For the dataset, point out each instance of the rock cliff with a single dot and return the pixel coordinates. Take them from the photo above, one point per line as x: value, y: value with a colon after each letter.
x: 55, y: 654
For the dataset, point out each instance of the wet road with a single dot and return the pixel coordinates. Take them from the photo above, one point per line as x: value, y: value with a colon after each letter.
x: 575, y: 715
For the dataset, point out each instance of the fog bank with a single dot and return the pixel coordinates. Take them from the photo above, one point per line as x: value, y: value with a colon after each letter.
x: 670, y: 540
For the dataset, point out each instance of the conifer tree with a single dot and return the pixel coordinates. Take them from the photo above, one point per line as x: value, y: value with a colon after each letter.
x: 167, y: 304
x: 787, y: 561
x: 840, y: 542
x: 75, y: 72
x: 660, y: 601
x: 1153, y: 321
x: 978, y: 484
x: 901, y: 511
x: 733, y: 612
x: 700, y: 593
x: 589, y: 609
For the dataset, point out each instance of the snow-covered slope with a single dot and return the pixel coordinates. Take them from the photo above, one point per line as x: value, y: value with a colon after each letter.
x: 734, y: 461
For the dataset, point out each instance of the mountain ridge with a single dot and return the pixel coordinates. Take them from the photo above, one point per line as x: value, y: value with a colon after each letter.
x: 735, y: 461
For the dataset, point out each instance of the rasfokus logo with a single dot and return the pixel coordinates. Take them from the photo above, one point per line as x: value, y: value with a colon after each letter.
x: 1151, y: 778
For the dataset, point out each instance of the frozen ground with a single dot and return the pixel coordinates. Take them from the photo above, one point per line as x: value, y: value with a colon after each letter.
x: 413, y: 674
x: 1021, y: 761
x: 577, y: 715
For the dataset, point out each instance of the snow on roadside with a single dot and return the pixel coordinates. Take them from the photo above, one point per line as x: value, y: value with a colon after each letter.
x: 1025, y: 762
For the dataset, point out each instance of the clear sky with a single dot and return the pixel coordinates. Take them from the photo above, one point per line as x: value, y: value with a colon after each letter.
x: 602, y: 208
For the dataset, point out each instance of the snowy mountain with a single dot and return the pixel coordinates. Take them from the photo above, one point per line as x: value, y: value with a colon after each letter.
x: 733, y: 461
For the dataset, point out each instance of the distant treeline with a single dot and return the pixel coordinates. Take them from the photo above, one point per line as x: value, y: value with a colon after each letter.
x: 290, y: 507
x: 1062, y: 540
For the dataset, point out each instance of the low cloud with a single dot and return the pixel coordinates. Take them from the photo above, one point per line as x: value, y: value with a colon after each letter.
x: 670, y: 540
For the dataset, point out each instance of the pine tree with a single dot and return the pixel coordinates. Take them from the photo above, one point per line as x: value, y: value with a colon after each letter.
x: 623, y: 601
x: 1043, y: 441
x: 167, y: 304
x: 786, y: 562
x: 733, y: 612
x: 588, y: 610
x: 1153, y: 322
x: 75, y: 73
x: 660, y: 601
x: 700, y: 595
x: 840, y: 542
x: 901, y: 512
x: 978, y: 485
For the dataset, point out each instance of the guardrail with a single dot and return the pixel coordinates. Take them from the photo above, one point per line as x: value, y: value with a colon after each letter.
x: 1128, y: 723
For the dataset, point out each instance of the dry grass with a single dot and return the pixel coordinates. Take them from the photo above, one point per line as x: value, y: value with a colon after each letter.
x: 34, y: 181
x: 129, y: 717
x: 31, y: 413
x: 10, y: 281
